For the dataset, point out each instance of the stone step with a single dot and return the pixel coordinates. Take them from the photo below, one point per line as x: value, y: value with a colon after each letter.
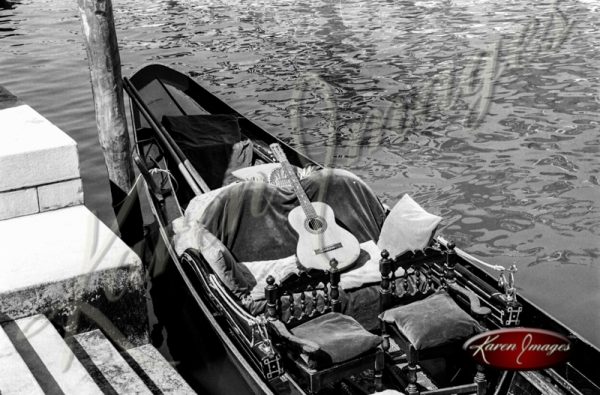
x: 15, y: 377
x: 151, y: 365
x: 106, y: 365
x: 36, y: 360
x: 47, y: 357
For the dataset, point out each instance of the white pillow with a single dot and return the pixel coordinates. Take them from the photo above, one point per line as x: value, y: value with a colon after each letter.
x: 278, y: 268
x: 256, y: 173
x: 367, y: 273
x: 407, y: 227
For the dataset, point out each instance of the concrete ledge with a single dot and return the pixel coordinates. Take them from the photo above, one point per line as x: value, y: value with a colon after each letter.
x: 67, y: 265
x: 18, y: 203
x: 35, y: 151
x: 60, y: 195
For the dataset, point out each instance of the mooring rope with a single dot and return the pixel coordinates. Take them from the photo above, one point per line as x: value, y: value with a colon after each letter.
x: 151, y: 171
x: 171, y: 176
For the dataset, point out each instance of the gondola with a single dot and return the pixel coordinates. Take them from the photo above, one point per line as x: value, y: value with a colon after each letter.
x: 263, y: 345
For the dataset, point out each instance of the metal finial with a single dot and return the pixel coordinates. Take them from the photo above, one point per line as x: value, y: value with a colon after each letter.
x: 333, y: 263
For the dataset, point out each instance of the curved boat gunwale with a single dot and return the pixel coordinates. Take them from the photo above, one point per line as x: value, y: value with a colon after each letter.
x: 248, y: 372
x: 231, y: 349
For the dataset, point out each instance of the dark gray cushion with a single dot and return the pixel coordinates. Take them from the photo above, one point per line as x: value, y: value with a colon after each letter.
x: 340, y: 337
x: 433, y: 321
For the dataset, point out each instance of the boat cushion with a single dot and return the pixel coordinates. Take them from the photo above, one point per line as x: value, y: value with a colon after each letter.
x: 433, y: 321
x: 280, y: 269
x: 208, y: 142
x: 408, y: 227
x: 339, y: 336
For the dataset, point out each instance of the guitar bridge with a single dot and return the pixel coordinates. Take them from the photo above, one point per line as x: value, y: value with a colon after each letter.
x: 328, y: 248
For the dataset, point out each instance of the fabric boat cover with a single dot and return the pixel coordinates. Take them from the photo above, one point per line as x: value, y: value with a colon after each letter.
x: 211, y: 143
x: 251, y: 219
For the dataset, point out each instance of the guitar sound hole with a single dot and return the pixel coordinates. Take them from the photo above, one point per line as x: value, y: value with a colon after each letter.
x: 315, y: 225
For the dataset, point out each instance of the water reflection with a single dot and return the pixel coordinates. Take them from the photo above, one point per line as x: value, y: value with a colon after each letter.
x: 7, y: 5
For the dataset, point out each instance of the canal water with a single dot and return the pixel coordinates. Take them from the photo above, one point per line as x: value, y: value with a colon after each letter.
x: 486, y: 111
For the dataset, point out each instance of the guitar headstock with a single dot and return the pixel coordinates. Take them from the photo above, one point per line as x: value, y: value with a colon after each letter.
x: 277, y: 152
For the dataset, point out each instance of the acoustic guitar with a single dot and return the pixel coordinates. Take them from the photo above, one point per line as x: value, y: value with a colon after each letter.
x: 320, y: 238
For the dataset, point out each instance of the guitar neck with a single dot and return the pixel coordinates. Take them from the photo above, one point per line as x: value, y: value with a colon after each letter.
x: 307, y: 207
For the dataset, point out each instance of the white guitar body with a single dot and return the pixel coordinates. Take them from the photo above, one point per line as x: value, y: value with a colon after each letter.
x: 322, y: 239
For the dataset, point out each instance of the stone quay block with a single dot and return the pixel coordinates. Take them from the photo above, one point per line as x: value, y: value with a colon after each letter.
x: 33, y: 151
x: 69, y: 266
x: 18, y: 203
x: 60, y: 194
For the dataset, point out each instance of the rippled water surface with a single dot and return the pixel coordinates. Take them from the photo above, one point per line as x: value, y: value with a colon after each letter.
x: 485, y: 111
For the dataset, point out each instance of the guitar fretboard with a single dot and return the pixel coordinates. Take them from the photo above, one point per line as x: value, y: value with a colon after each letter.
x: 307, y: 207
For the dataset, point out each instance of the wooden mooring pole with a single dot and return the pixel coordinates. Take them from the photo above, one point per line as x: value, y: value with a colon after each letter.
x: 107, y: 89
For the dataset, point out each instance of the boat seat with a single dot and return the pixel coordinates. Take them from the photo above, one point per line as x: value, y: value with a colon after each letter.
x: 428, y: 323
x: 323, y: 346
